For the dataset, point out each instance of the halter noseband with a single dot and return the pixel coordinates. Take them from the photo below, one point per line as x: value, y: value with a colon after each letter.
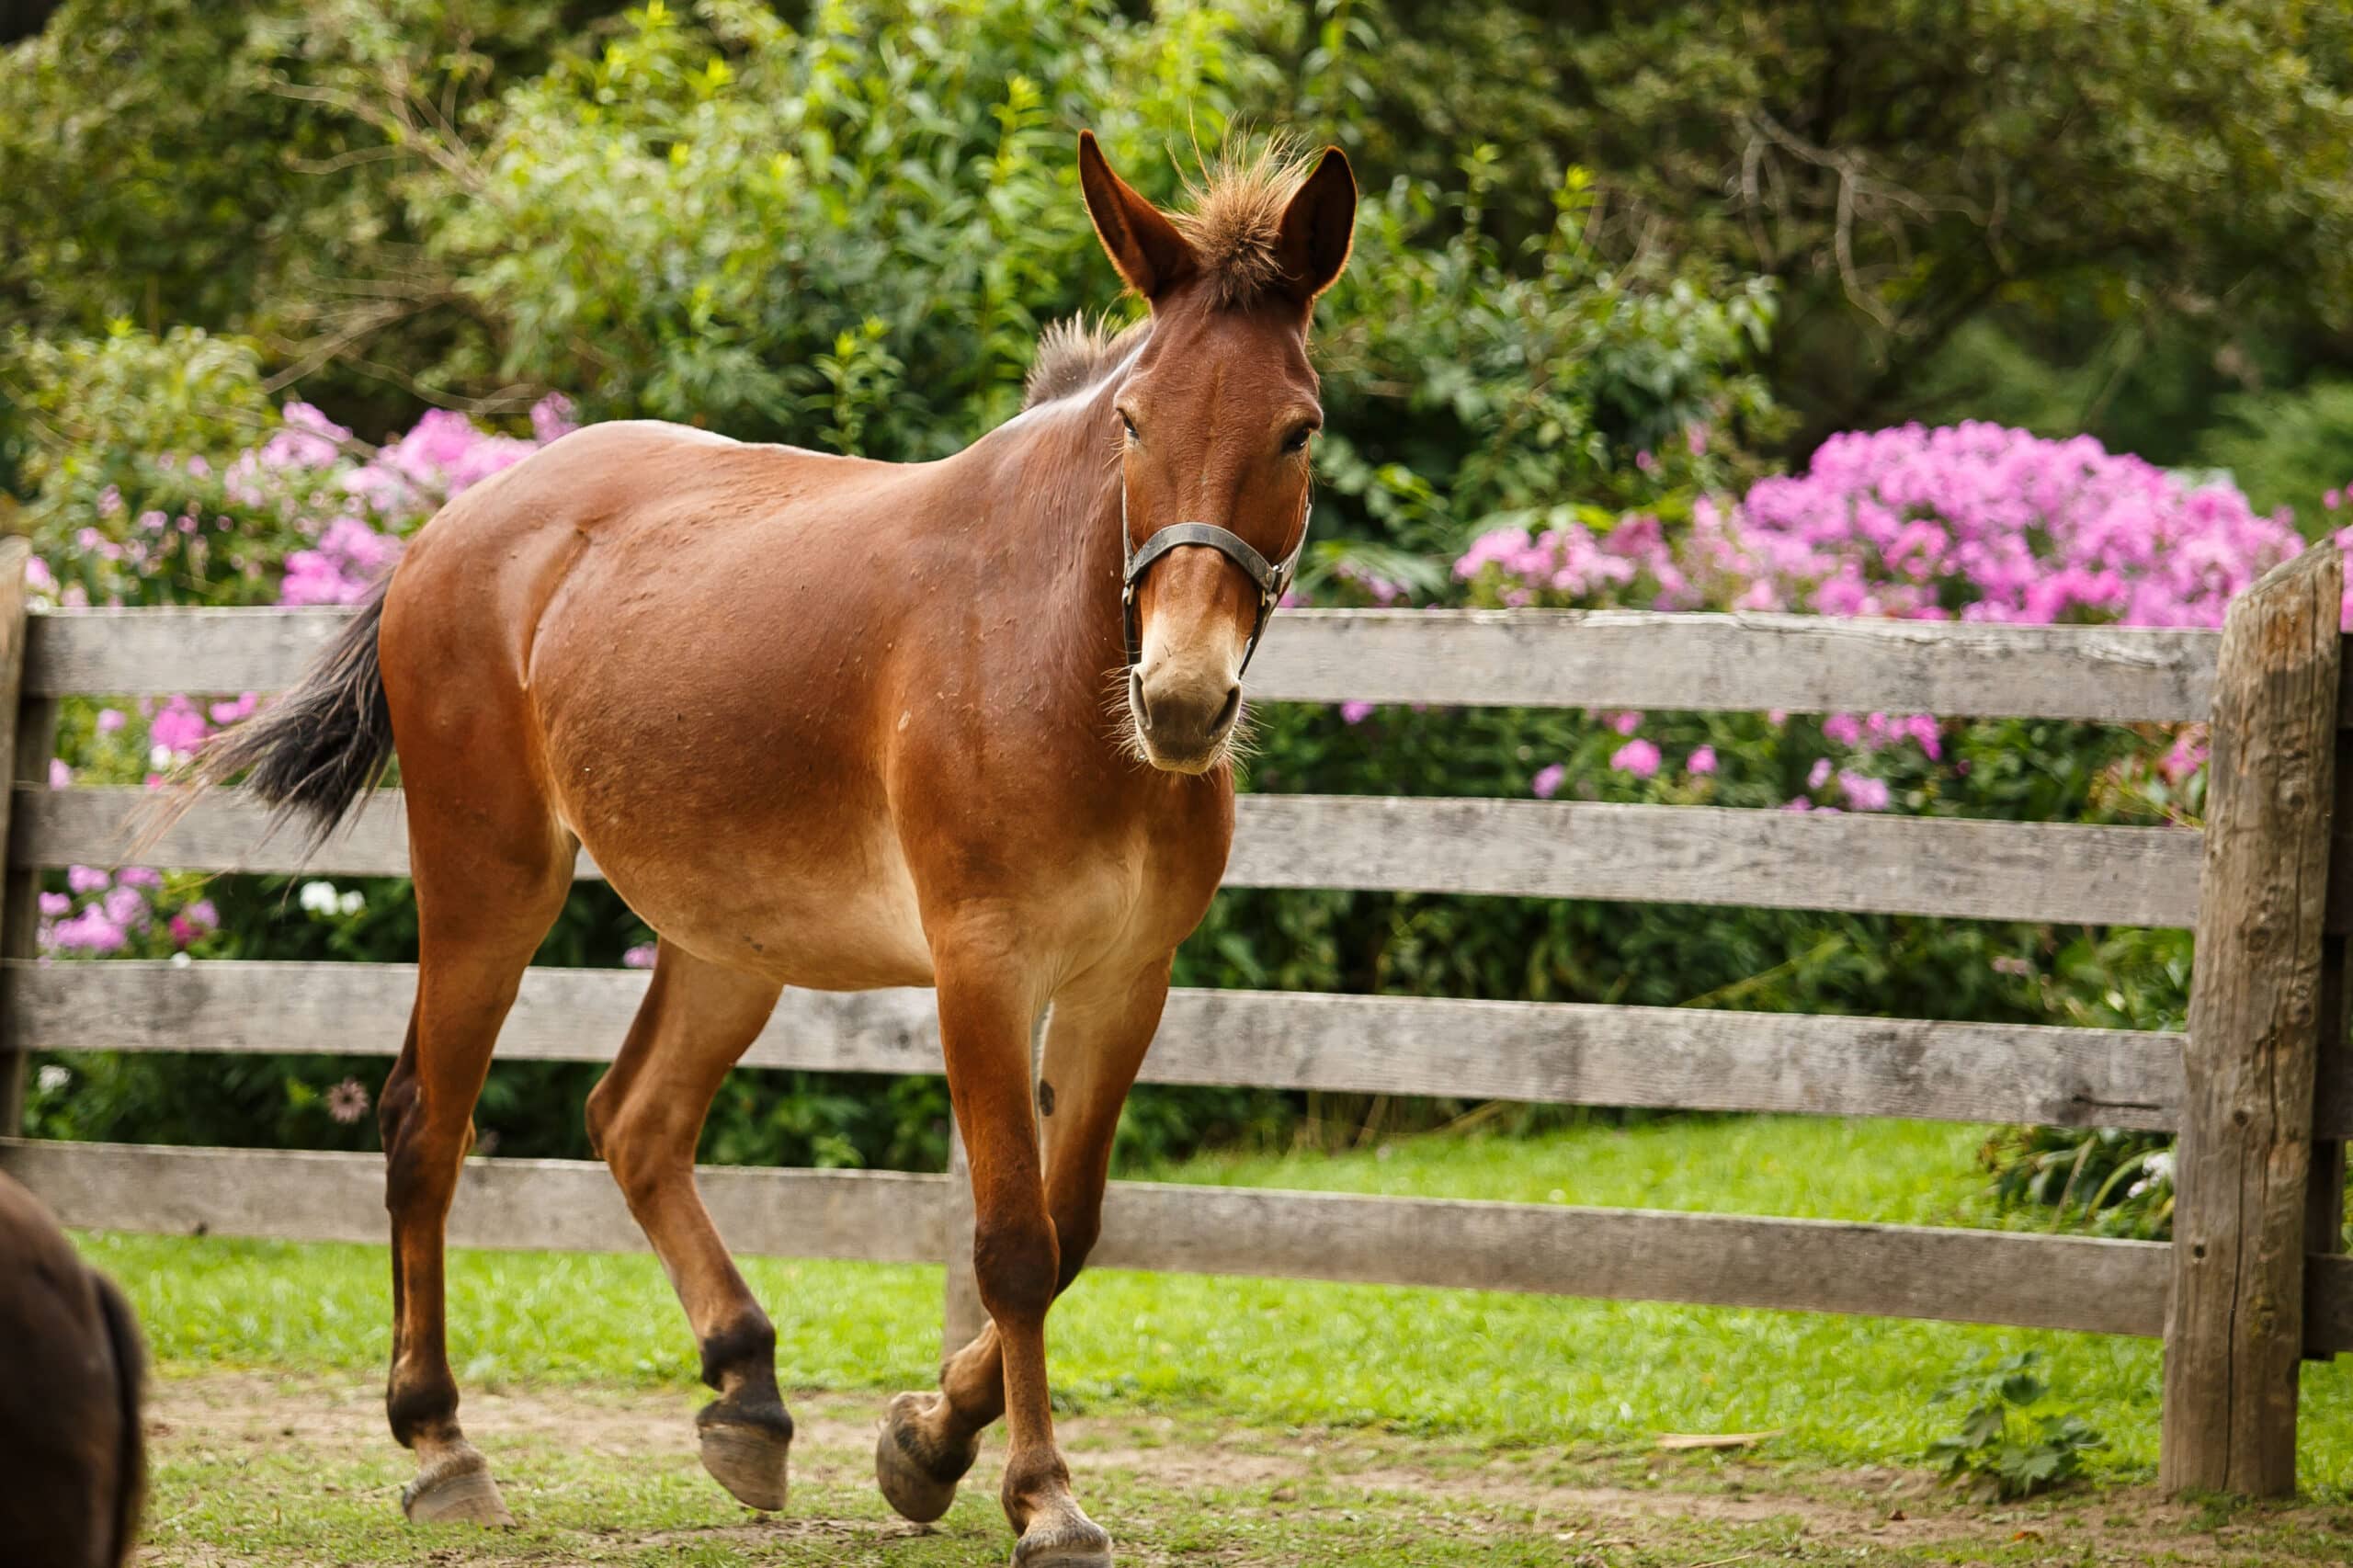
x: 1270, y: 578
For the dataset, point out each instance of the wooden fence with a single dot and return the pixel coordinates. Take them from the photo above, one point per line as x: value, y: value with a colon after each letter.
x: 2258, y: 1088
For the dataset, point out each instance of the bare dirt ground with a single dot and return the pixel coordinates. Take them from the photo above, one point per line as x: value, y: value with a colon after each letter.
x: 220, y: 1442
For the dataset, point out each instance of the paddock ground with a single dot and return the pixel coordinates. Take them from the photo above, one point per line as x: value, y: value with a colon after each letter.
x: 256, y: 1469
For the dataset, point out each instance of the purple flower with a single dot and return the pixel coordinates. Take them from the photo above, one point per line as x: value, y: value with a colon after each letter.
x: 1819, y: 775
x: 1626, y: 723
x: 196, y: 920
x: 1863, y: 792
x: 127, y: 907
x: 1356, y: 713
x: 1637, y: 758
x: 111, y: 719
x: 1842, y: 730
x: 139, y: 877
x: 53, y: 904
x: 1547, y: 782
x: 87, y: 879
x: 59, y: 776
x: 1702, y: 760
x: 640, y: 957
x: 88, y: 932
x: 179, y: 727
x: 2007, y: 963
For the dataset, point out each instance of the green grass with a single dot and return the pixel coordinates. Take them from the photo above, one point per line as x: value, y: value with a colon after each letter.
x: 1490, y: 1368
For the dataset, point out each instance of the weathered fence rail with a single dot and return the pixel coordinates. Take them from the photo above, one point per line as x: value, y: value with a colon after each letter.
x: 2255, y: 1285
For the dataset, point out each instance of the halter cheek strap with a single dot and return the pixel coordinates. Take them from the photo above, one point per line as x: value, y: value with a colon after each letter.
x: 1269, y: 578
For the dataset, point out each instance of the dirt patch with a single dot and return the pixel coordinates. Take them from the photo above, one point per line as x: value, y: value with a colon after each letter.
x: 1630, y: 1508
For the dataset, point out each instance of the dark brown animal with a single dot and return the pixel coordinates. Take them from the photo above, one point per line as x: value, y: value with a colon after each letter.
x: 838, y: 723
x: 73, y: 1458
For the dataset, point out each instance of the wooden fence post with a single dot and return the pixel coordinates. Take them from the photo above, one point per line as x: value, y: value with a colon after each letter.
x: 2235, y: 1320
x: 964, y: 1313
x: 20, y: 901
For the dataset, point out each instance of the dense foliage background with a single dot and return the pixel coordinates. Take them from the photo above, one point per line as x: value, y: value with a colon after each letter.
x: 275, y: 278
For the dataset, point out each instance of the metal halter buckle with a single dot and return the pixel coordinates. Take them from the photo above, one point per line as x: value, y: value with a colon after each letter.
x: 1271, y: 578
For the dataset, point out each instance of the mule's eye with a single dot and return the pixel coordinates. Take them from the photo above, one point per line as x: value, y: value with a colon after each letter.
x: 1128, y: 425
x: 1297, y: 440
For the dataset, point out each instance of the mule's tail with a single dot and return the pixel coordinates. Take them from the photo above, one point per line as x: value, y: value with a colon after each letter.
x: 131, y: 1451
x: 316, y: 751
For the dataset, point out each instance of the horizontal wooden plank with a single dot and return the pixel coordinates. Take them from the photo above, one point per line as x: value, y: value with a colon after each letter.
x: 1551, y: 1053
x: 1860, y: 863
x: 1804, y: 663
x: 2031, y: 1280
x: 2070, y: 1282
x: 553, y: 1205
x: 1528, y: 658
x: 151, y: 651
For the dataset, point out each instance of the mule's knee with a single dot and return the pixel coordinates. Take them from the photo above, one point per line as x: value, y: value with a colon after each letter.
x: 1017, y: 1263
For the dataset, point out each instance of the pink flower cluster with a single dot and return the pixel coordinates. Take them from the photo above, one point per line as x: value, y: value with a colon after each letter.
x: 1973, y: 521
x: 371, y: 505
x: 105, y: 914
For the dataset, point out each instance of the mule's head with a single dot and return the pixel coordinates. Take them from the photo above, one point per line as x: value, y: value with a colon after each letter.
x: 1216, y: 416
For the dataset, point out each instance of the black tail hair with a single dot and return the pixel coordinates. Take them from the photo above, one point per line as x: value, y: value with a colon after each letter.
x: 316, y: 750
x: 130, y: 1456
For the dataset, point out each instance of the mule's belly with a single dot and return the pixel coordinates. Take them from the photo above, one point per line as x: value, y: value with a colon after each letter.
x: 845, y: 920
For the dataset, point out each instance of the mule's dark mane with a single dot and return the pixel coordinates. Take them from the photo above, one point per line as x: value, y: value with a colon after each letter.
x: 1234, y: 224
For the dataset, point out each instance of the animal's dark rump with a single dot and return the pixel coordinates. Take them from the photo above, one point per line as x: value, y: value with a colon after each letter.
x: 72, y: 1462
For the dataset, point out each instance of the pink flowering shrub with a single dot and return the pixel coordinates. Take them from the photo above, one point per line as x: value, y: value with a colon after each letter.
x: 134, y: 913
x: 1972, y: 522
x: 309, y: 515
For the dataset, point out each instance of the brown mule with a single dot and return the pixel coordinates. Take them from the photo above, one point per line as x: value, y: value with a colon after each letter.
x: 72, y: 1457
x: 838, y: 723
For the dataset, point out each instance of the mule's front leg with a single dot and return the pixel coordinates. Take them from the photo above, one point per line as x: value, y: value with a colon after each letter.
x: 985, y: 1013
x: 1102, y: 1024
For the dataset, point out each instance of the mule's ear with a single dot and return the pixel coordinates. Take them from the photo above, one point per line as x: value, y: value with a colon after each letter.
x: 1318, y: 225
x: 1143, y: 244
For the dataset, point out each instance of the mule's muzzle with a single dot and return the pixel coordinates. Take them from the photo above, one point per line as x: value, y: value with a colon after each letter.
x: 1183, y: 721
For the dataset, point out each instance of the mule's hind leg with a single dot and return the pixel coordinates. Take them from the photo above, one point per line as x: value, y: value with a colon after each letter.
x: 481, y: 914
x: 645, y: 1120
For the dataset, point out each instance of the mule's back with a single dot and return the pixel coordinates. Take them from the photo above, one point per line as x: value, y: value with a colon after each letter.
x: 73, y: 1460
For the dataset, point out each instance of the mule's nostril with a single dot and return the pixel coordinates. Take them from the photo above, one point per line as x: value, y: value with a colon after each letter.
x: 1225, y: 714
x: 1137, y: 698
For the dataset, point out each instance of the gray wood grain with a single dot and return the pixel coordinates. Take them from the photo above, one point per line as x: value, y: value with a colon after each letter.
x: 553, y: 1205
x: 1529, y: 658
x: 2086, y: 1283
x: 2235, y: 1337
x: 2073, y: 1282
x: 2062, y: 872
x: 1860, y: 863
x: 1565, y: 1053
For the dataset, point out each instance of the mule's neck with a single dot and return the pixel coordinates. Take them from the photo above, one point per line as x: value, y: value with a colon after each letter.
x: 1053, y: 477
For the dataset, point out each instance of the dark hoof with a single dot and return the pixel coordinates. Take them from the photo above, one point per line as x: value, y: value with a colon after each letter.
x: 456, y: 1489
x: 917, y: 1477
x: 747, y: 1451
x: 1062, y: 1540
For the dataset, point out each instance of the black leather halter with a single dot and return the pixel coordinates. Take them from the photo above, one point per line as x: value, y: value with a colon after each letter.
x: 1269, y: 578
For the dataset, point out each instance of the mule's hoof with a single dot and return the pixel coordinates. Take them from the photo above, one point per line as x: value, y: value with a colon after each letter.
x: 749, y: 1460
x: 916, y: 1477
x: 1064, y: 1541
x: 456, y: 1489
